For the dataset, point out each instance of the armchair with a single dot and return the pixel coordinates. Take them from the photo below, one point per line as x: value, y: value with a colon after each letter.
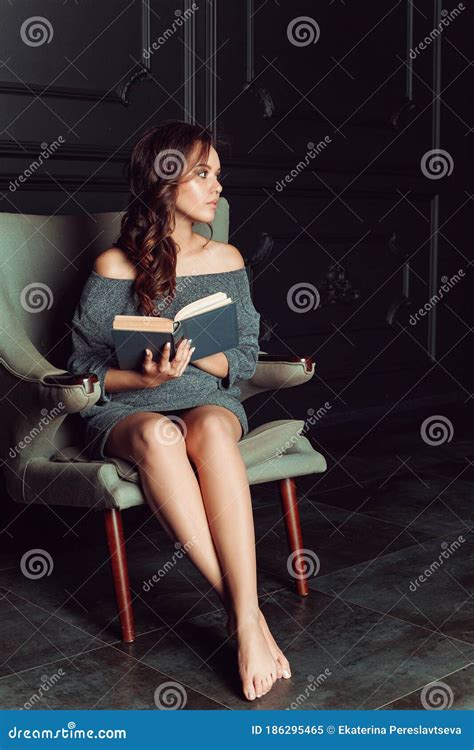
x: 40, y: 458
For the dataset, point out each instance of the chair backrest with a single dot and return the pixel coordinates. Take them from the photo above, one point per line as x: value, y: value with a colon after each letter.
x: 45, y: 261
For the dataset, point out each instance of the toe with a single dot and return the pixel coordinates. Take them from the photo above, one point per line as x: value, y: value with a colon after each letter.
x: 249, y: 690
x: 285, y: 666
x: 258, y: 687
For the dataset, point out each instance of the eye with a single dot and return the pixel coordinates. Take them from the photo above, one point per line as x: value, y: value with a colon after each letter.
x: 206, y: 172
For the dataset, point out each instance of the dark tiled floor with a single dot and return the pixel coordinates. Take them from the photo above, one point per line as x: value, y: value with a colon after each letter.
x: 370, y: 635
x: 417, y: 585
x: 452, y: 691
x: 101, y: 679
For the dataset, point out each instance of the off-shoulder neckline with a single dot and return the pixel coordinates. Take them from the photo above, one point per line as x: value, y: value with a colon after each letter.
x: 185, y: 276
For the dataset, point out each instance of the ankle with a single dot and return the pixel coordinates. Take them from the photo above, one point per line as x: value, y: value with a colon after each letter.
x: 248, y: 616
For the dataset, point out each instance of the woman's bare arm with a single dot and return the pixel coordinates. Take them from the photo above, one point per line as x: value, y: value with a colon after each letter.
x: 216, y: 364
x: 152, y: 373
x: 123, y: 380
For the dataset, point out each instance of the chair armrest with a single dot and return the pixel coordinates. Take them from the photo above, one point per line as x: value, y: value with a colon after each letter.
x: 288, y: 358
x: 69, y: 380
x: 75, y: 392
x: 275, y: 371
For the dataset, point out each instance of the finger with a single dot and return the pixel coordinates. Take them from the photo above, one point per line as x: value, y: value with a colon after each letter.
x: 186, y: 363
x: 181, y: 351
x: 147, y: 360
x: 190, y: 354
x: 165, y: 354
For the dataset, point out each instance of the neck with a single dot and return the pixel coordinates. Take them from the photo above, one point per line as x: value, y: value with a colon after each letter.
x: 183, y: 234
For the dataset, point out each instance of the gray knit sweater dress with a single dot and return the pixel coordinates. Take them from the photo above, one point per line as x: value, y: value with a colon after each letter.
x: 93, y: 351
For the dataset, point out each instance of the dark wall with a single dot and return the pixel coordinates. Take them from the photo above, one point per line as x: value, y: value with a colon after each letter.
x: 323, y: 113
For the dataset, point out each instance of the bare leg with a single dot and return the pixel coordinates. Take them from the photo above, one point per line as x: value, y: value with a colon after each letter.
x: 211, y: 440
x: 156, y: 445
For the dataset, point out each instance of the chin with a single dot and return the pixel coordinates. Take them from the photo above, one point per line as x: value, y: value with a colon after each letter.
x: 204, y: 216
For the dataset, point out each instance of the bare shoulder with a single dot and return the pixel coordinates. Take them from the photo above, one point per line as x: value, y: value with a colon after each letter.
x: 227, y: 257
x: 114, y: 264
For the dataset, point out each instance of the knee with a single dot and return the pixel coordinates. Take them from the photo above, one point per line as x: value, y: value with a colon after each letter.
x: 209, y: 427
x: 155, y: 436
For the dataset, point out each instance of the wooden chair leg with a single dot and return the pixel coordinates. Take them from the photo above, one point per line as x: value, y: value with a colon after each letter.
x: 291, y: 514
x: 118, y: 560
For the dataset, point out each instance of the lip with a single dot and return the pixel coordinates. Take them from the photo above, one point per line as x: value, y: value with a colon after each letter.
x: 212, y: 203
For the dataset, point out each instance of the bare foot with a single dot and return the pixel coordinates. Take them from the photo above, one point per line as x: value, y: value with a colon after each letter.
x: 257, y: 668
x: 282, y: 663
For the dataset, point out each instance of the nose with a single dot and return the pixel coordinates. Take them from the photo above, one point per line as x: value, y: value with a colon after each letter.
x: 217, y: 187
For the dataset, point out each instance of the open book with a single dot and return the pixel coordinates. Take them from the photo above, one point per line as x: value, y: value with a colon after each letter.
x: 211, y: 322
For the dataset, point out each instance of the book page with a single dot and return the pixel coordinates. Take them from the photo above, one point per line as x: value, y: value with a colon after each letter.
x: 205, y: 304
x: 142, y: 323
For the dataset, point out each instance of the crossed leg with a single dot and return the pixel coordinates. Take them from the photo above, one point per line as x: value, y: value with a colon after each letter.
x: 157, y: 445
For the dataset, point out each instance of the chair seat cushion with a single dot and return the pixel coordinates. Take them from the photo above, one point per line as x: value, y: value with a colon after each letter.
x: 273, y: 451
x: 262, y: 450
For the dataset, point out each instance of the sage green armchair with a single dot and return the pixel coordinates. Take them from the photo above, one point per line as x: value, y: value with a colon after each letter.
x: 45, y: 262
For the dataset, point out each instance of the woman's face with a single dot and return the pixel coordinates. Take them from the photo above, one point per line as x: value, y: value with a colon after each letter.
x: 199, y: 190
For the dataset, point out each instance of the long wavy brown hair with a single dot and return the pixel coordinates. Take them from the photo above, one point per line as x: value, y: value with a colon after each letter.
x: 159, y: 161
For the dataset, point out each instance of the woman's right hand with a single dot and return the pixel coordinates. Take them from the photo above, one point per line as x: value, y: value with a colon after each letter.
x: 156, y: 373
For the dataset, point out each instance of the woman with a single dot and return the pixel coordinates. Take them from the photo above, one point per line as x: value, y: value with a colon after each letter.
x: 157, y: 266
